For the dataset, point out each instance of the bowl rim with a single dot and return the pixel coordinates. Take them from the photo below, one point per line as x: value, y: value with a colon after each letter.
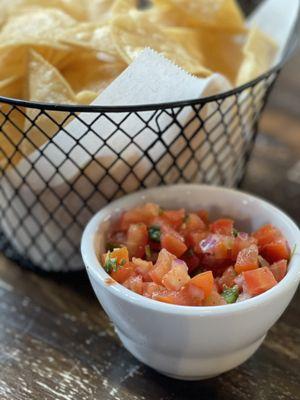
x: 94, y: 267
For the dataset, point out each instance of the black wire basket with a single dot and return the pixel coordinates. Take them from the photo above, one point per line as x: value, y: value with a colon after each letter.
x: 49, y: 188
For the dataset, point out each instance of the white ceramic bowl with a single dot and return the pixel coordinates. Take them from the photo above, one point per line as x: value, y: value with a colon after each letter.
x: 192, y: 342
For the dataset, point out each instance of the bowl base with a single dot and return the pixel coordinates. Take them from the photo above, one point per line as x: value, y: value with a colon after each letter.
x: 189, y: 369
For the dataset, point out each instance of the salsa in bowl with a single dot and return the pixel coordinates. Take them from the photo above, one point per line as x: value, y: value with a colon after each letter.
x: 181, y: 257
x: 191, y: 341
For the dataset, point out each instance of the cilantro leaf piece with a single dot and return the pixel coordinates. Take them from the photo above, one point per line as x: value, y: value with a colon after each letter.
x: 231, y: 294
x: 110, y: 264
x: 154, y: 233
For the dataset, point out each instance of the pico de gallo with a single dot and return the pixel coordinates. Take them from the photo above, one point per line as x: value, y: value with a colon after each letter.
x: 180, y: 257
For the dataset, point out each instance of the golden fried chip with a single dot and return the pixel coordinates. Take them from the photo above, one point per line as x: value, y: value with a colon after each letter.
x: 92, y: 36
x: 45, y: 84
x: 11, y: 121
x: 13, y: 61
x: 75, y: 8
x: 218, y: 14
x: 123, y: 7
x: 189, y: 39
x: 12, y: 87
x: 221, y: 51
x: 99, y: 10
x: 259, y: 53
x: 85, y: 97
x: 131, y: 35
x: 11, y: 134
x: 86, y: 72
x: 36, y: 27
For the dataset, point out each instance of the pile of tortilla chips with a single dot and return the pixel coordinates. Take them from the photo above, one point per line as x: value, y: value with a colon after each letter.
x: 68, y: 51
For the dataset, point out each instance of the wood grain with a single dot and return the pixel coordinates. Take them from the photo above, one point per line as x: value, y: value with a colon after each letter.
x: 57, y: 343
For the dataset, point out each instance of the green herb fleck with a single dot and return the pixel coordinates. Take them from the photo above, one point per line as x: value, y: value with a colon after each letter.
x: 110, y: 246
x: 231, y: 294
x: 235, y: 232
x: 148, y: 252
x: 154, y: 233
x: 123, y: 262
x: 110, y: 264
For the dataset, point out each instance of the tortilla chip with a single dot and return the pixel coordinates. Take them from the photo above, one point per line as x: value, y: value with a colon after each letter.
x: 45, y: 84
x: 132, y: 34
x: 11, y: 121
x: 259, y: 54
x: 74, y: 8
x: 222, y: 52
x: 85, y: 97
x: 99, y: 10
x: 11, y: 134
x: 218, y: 14
x: 87, y: 72
x: 92, y: 36
x: 36, y: 27
x: 124, y: 7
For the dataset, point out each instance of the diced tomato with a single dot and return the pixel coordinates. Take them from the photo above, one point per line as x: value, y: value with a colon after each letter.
x: 204, y: 281
x: 173, y: 297
x: 223, y: 226
x: 239, y: 281
x: 177, y: 276
x: 192, y: 260
x: 123, y: 272
x: 276, y: 251
x: 227, y: 279
x: 162, y: 266
x: 247, y: 259
x: 214, y: 299
x: 151, y: 288
x: 193, y: 294
x: 174, y: 244
x: 193, y: 223
x: 279, y: 269
x: 266, y: 234
x: 218, y: 246
x: 134, y: 283
x: 120, y: 254
x: 242, y: 241
x: 259, y: 280
x: 137, y: 238
x: 143, y: 268
x: 203, y: 214
x: 193, y: 239
x: 144, y: 214
x: 174, y: 217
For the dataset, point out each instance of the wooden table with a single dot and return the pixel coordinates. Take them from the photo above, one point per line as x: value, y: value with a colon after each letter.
x: 57, y: 343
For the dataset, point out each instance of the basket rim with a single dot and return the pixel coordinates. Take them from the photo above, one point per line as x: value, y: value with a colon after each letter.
x: 73, y: 108
x: 141, y: 107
